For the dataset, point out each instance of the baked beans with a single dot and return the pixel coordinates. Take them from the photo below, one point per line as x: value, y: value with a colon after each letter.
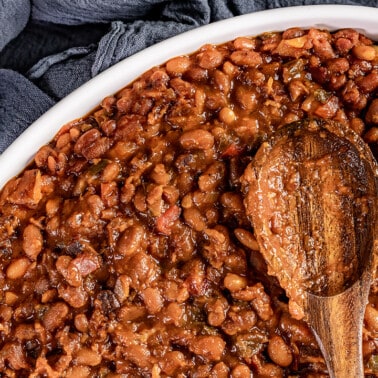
x: 125, y: 250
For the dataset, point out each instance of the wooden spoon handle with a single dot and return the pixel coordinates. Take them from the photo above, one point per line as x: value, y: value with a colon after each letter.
x: 337, y: 325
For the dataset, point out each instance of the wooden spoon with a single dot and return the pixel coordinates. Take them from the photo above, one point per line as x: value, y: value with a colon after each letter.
x: 311, y: 195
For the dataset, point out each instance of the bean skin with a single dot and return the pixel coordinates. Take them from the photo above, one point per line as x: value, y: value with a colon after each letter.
x: 17, y: 268
x: 364, y: 52
x: 197, y: 139
x: 210, y: 347
x: 179, y: 65
x: 32, y: 241
x: 279, y: 351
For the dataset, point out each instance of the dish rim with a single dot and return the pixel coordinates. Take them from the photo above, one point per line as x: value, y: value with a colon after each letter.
x: 89, y: 95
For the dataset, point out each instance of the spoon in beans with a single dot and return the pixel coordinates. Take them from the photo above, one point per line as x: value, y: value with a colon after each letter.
x: 311, y: 196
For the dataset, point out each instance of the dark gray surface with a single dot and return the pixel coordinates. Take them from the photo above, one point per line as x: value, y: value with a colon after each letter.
x: 50, y: 47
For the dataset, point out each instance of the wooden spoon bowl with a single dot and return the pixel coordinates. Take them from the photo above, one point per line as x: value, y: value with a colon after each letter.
x: 311, y: 195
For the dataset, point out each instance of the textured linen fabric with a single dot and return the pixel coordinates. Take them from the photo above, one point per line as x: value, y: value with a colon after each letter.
x: 48, y: 48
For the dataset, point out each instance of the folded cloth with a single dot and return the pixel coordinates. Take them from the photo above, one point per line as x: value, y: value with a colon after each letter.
x: 13, y: 17
x: 74, y: 40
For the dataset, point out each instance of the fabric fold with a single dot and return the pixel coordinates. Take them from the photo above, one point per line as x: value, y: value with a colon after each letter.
x: 14, y: 16
x: 124, y: 40
x: 78, y: 12
x: 21, y: 103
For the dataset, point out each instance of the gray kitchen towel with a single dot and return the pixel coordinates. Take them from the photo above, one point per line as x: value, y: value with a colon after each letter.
x: 50, y: 47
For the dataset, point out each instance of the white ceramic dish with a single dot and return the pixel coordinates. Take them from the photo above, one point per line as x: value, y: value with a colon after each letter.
x: 88, y: 96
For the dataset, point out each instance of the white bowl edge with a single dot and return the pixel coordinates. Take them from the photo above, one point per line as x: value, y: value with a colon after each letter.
x: 84, y: 99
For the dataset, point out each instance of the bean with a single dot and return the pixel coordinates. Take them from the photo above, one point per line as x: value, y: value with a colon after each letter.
x: 220, y: 370
x: 52, y: 206
x: 174, y: 313
x: 234, y: 282
x: 48, y: 296
x: 364, y: 52
x: 43, y: 154
x: 91, y: 145
x: 329, y: 109
x: 130, y: 313
x: 88, y: 357
x: 246, y: 58
x: 74, y: 296
x: 347, y: 35
x: 368, y: 83
x: 63, y: 140
x: 372, y: 113
x: 229, y: 69
x: 74, y: 133
x: 357, y: 125
x: 81, y: 323
x: 239, y: 321
x: 294, y: 32
x: 245, y: 43
x: 32, y: 242
x: 338, y: 65
x: 209, y: 59
x: 241, y: 371
x: 279, y: 351
x: 178, y: 65
x: 131, y: 241
x: 142, y: 270
x: 160, y: 175
x: 200, y: 100
x: 194, y: 218
x: 210, y: 347
x: 55, y: 316
x: 108, y: 126
x: 337, y: 81
x: 170, y: 194
x: 215, y: 101
x: 10, y: 298
x: 85, y: 263
x: 110, y: 172
x: 122, y: 288
x: 227, y: 116
x: 270, y: 370
x: 17, y: 268
x: 172, y: 362
x: 57, y: 165
x: 197, y: 139
x: 153, y: 300
x: 247, y: 98
x: 172, y: 292
x: 246, y: 238
x: 232, y: 202
x: 197, y: 74
x: 217, y: 311
x: 368, y: 347
x: 79, y: 372
x: 139, y: 355
x: 212, y: 177
x: 371, y: 318
x: 155, y: 203
x: 371, y: 136
x: 108, y: 103
x: 298, y: 330
x: 322, y: 43
x: 86, y: 139
x: 222, y: 81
